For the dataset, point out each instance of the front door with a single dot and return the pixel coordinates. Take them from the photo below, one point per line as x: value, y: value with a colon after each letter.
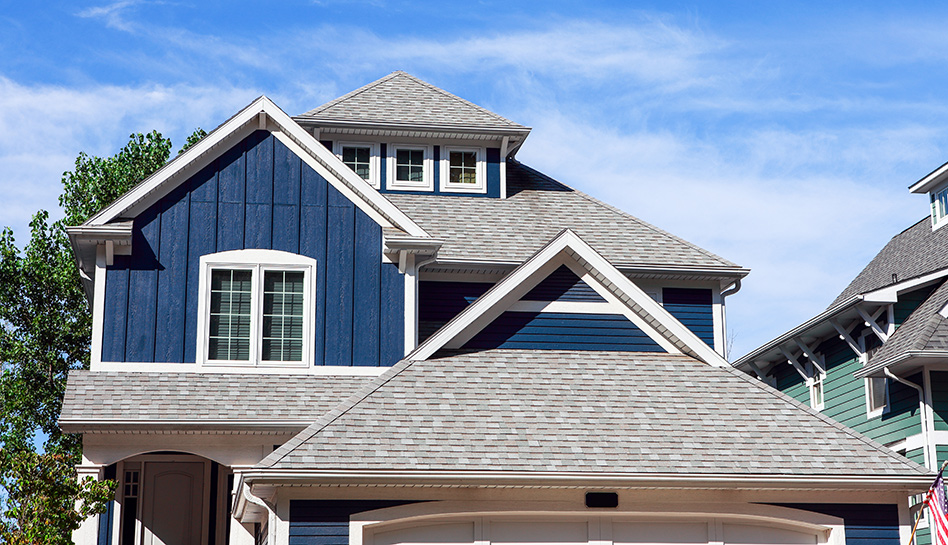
x: 173, y: 503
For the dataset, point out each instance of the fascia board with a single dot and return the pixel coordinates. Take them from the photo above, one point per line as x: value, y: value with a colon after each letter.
x: 899, y: 361
x: 910, y: 482
x: 798, y: 330
x: 930, y: 180
x: 88, y: 425
x: 150, y: 189
x: 477, y: 315
x: 626, y: 268
x: 890, y: 294
x: 330, y: 123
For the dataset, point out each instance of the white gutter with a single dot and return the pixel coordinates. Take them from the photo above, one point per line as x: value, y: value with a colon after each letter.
x: 921, y: 407
x: 884, y: 365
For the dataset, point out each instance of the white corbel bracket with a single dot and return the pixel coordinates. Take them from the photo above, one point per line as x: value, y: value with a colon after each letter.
x: 872, y: 324
x: 793, y: 361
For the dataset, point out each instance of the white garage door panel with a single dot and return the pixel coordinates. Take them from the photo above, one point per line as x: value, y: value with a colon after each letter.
x: 659, y: 532
x: 534, y: 532
x: 455, y: 532
x: 746, y: 534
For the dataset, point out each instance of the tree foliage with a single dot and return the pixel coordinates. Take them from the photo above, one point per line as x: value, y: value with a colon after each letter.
x: 45, y: 331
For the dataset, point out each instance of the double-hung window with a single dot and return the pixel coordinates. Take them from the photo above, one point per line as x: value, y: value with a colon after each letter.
x: 362, y: 158
x: 462, y: 170
x: 410, y: 167
x: 256, y: 308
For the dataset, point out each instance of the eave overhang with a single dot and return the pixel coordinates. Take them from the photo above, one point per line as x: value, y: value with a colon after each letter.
x: 85, y: 240
x: 206, y: 426
x: 903, y: 364
x: 496, y: 479
x: 931, y: 180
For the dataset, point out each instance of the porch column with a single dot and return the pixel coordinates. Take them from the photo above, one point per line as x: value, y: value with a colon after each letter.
x: 88, y: 533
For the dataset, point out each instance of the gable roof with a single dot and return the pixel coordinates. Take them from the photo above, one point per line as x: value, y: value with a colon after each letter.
x: 400, y: 98
x: 537, y: 208
x: 914, y: 252
x: 569, y: 249
x: 111, y: 399
x: 564, y: 412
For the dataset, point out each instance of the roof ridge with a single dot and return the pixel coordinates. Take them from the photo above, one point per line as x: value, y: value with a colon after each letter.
x: 457, y: 98
x: 638, y: 220
x: 353, y: 93
x: 335, y: 413
x: 827, y: 420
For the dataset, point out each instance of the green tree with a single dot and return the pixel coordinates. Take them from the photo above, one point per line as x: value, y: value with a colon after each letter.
x: 45, y: 331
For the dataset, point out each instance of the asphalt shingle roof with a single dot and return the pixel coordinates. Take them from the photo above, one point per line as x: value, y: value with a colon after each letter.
x: 552, y: 411
x: 916, y: 251
x: 404, y: 99
x: 924, y: 329
x: 536, y: 210
x: 154, y: 397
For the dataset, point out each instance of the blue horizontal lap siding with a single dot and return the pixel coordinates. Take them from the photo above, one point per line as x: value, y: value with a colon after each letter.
x: 326, y: 522
x: 693, y: 308
x: 563, y: 331
x: 866, y: 524
x: 492, y: 173
x: 563, y: 285
x: 257, y: 195
x: 438, y: 302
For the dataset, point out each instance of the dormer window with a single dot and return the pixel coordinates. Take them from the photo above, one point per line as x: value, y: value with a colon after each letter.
x: 462, y: 170
x: 362, y: 158
x: 256, y: 308
x: 410, y: 167
x: 939, y: 207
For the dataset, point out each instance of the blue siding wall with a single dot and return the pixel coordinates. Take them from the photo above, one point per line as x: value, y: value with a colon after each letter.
x: 106, y: 519
x: 693, y: 308
x: 438, y: 302
x: 492, y: 175
x: 866, y: 524
x: 326, y: 522
x: 256, y: 195
x: 561, y: 331
x: 563, y: 285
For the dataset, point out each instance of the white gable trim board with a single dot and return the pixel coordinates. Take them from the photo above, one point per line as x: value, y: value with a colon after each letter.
x: 620, y: 292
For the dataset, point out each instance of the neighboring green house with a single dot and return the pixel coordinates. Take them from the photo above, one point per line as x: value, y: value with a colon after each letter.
x: 876, y: 360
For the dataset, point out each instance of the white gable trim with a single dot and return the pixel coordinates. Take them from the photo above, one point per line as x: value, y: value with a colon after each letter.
x: 258, y: 115
x: 569, y: 249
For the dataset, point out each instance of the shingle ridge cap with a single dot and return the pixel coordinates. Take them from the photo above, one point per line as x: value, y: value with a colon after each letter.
x: 350, y: 94
x: 334, y: 414
x: 642, y: 222
x: 459, y: 99
x: 827, y: 420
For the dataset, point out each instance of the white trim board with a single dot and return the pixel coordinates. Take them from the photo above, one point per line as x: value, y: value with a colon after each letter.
x: 567, y: 248
x: 259, y: 114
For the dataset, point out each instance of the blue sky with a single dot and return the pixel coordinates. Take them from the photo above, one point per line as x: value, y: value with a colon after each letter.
x: 780, y: 135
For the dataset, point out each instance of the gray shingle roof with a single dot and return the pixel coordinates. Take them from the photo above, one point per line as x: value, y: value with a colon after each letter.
x: 562, y: 411
x: 924, y: 329
x: 536, y: 210
x: 401, y: 98
x: 916, y: 251
x: 243, y: 398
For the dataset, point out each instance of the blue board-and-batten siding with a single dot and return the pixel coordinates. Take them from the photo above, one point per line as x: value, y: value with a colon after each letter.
x: 866, y: 524
x: 257, y: 195
x: 326, y: 522
x: 563, y: 331
x: 693, y: 308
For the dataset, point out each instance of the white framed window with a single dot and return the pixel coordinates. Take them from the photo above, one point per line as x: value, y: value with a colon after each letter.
x: 816, y: 389
x: 939, y: 207
x: 409, y: 167
x: 462, y: 170
x: 877, y: 396
x: 362, y: 158
x: 256, y: 308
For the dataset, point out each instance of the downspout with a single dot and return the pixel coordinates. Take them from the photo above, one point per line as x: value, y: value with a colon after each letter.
x: 735, y: 287
x: 923, y: 413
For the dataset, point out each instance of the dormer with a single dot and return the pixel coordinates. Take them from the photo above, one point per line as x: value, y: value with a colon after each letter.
x: 936, y: 185
x: 403, y: 135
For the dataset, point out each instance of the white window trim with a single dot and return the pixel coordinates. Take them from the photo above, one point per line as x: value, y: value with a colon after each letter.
x: 878, y: 411
x: 373, y: 157
x: 427, y: 183
x: 816, y: 377
x: 480, y: 172
x: 938, y: 221
x: 257, y: 261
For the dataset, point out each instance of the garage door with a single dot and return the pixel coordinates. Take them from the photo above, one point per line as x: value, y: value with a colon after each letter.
x: 601, y: 531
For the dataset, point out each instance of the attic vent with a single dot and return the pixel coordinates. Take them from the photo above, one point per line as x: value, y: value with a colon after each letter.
x: 602, y: 499
x: 895, y: 277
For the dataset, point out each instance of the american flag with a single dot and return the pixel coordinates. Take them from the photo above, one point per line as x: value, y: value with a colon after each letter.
x: 938, y: 511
